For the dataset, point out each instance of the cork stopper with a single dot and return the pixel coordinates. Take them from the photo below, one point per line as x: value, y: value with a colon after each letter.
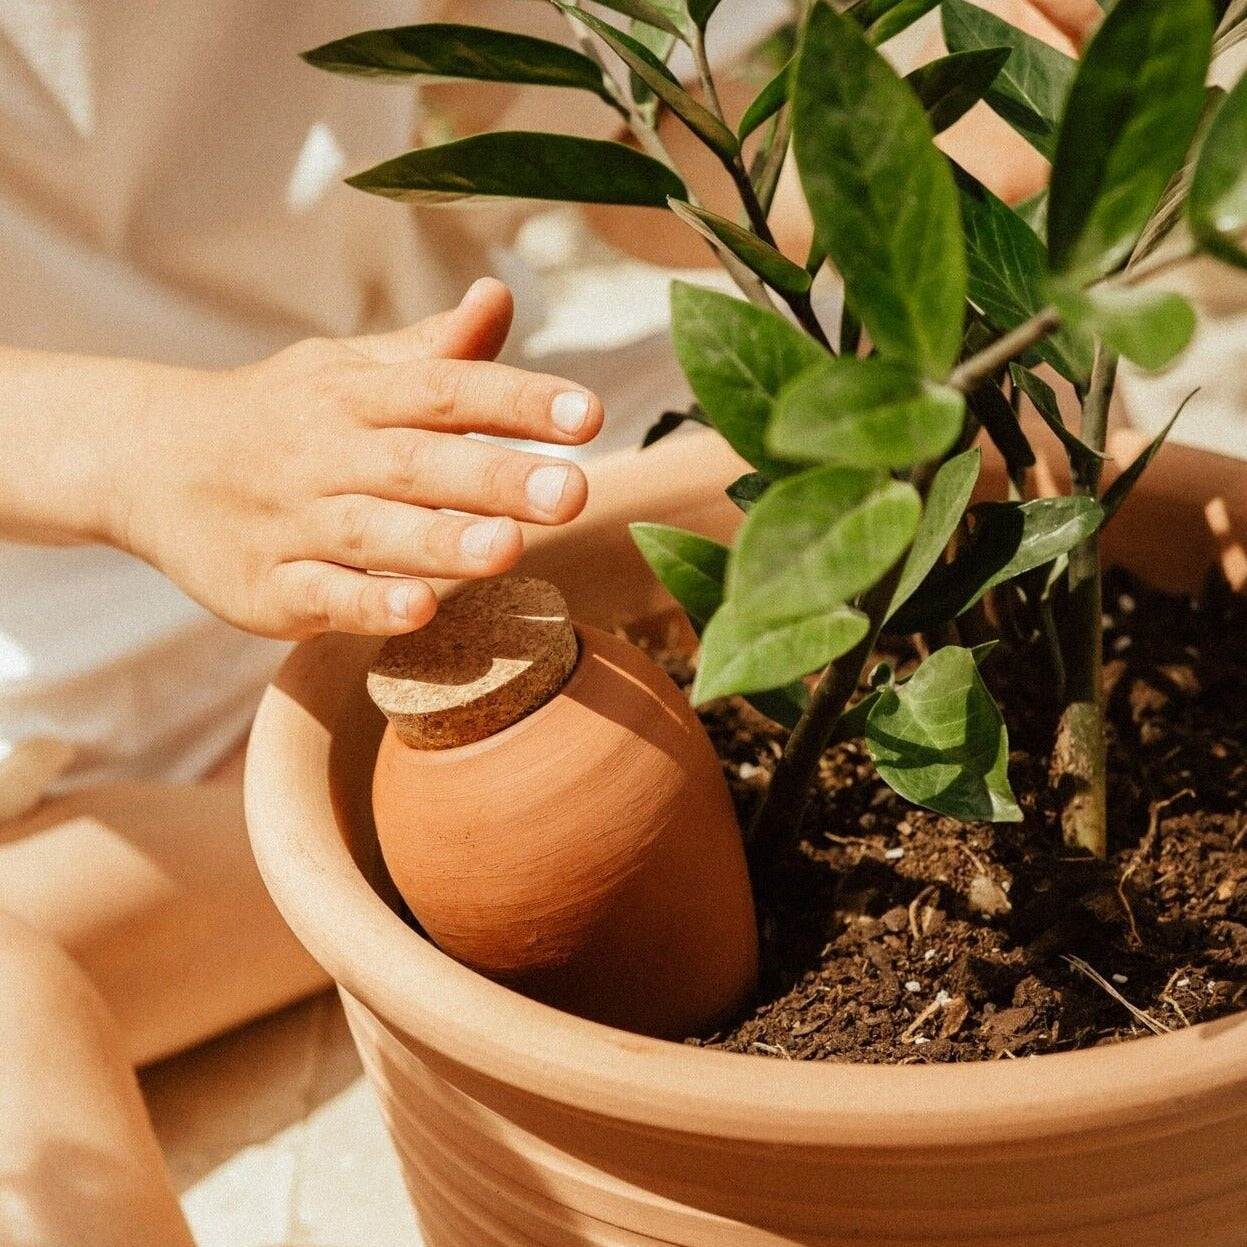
x: 492, y: 654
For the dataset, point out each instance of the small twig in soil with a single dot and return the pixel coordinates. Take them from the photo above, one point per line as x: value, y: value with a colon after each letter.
x: 1125, y: 904
x: 1146, y: 1019
x: 911, y: 1031
x: 1170, y: 1001
x: 914, y: 905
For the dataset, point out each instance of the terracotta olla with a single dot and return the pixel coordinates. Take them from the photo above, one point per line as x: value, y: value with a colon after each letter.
x: 519, y: 1124
x: 585, y: 852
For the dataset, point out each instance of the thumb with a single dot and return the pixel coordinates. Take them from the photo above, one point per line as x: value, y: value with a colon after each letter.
x: 476, y: 329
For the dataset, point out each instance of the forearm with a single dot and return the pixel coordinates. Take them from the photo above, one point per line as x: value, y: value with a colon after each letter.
x: 67, y: 427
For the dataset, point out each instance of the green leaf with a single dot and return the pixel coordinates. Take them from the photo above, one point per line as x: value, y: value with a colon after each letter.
x: 740, y: 654
x: 940, y: 741
x: 1150, y: 327
x: 1119, y: 490
x: 669, y: 421
x: 775, y: 268
x: 946, y: 502
x: 1034, y: 211
x: 1133, y: 108
x: 737, y: 358
x: 816, y: 540
x: 668, y: 15
x: 785, y: 705
x: 864, y: 413
x: 512, y: 164
x: 661, y: 81
x: 881, y: 195
x: 949, y: 87
x: 661, y: 43
x: 690, y: 566
x: 1030, y: 92
x: 1008, y: 538
x: 767, y: 103
x: 701, y: 11
x: 898, y: 15
x: 993, y: 411
x: 1217, y: 207
x: 1007, y: 263
x: 1044, y: 401
x: 745, y: 490
x: 444, y: 50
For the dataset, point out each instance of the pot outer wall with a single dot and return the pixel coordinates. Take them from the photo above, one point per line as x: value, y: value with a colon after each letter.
x: 587, y: 855
x: 522, y: 1125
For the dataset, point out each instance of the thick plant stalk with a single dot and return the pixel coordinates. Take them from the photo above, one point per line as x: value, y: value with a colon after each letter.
x: 777, y: 821
x: 1080, y: 761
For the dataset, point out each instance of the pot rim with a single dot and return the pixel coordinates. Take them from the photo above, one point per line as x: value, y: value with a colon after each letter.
x: 459, y: 1017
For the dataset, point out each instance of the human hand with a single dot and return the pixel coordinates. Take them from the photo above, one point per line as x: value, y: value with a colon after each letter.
x: 270, y: 491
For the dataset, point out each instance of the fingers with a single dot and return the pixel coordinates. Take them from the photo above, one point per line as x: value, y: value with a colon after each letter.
x: 476, y: 329
x: 324, y: 598
x: 444, y: 470
x: 376, y: 535
x: 456, y: 397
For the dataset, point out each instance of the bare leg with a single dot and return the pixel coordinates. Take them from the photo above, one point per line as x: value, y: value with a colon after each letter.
x: 152, y: 889
x: 78, y: 1160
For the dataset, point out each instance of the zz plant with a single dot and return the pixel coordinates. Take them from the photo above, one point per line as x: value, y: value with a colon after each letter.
x: 861, y: 435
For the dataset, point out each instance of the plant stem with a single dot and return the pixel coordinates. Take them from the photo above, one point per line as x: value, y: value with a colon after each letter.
x: 776, y: 822
x: 978, y: 368
x: 1080, y: 760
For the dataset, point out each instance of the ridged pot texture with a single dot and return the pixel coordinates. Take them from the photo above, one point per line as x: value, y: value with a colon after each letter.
x: 587, y: 856
x: 520, y: 1125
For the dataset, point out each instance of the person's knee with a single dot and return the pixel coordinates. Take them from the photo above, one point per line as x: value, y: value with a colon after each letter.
x: 39, y: 983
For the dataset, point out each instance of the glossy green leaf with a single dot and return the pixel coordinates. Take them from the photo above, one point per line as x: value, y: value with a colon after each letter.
x: 745, y: 490
x: 995, y: 413
x: 690, y: 566
x: 1133, y: 108
x: 946, y: 502
x: 1034, y: 211
x: 664, y: 84
x: 897, y: 16
x: 1217, y: 208
x: 444, y: 50
x: 939, y: 741
x: 816, y: 540
x: 519, y: 165
x: 669, y: 15
x: 1119, y: 490
x: 881, y: 195
x: 1149, y: 327
x: 785, y: 705
x: 949, y: 87
x: 864, y: 413
x: 661, y: 43
x: 1043, y: 399
x: 766, y: 103
x: 737, y: 358
x: 775, y: 268
x: 701, y: 11
x: 1030, y: 91
x: 740, y: 654
x: 1007, y: 263
x: 1007, y: 539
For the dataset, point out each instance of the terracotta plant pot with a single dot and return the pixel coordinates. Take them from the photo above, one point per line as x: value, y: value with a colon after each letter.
x: 522, y: 1125
x: 587, y: 855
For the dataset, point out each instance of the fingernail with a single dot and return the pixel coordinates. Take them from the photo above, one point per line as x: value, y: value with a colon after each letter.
x: 545, y: 487
x: 398, y: 601
x: 477, y: 540
x: 473, y: 291
x: 570, y: 410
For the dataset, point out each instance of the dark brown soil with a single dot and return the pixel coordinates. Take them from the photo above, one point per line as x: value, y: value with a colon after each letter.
x: 893, y: 934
